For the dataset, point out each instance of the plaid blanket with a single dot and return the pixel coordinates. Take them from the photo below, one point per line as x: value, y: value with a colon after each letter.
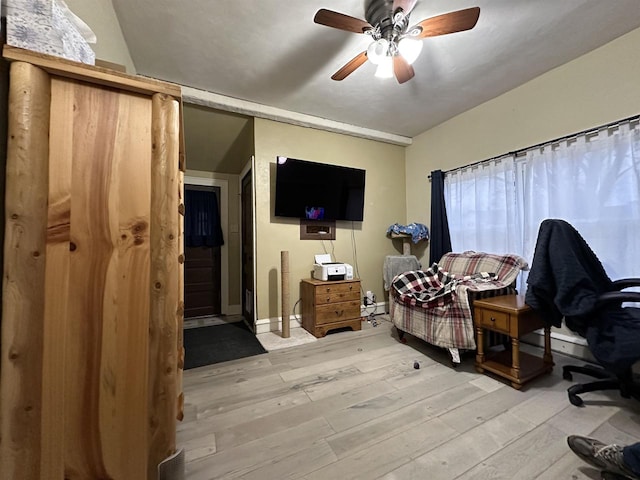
x: 436, y: 287
x: 434, y: 304
x: 505, y: 267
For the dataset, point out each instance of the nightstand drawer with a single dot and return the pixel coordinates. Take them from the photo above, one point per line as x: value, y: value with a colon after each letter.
x: 495, y: 320
x: 340, y: 292
x: 337, y: 312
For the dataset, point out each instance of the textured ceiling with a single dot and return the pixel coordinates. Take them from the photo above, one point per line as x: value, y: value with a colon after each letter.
x: 272, y: 53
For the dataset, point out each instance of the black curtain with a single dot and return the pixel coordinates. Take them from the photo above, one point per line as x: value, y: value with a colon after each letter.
x: 440, y: 241
x: 202, y: 219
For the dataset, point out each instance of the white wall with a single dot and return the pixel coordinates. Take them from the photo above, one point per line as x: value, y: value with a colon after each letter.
x: 101, y: 18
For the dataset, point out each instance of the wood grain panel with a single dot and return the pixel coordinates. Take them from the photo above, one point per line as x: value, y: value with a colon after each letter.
x: 133, y: 140
x: 182, y: 160
x: 57, y: 280
x: 89, y: 384
x: 380, y: 425
x: 102, y: 76
x: 24, y: 273
x: 164, y: 280
x: 93, y: 251
x: 106, y: 388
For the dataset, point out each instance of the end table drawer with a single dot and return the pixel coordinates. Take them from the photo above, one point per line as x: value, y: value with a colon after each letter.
x: 495, y: 320
x: 337, y: 312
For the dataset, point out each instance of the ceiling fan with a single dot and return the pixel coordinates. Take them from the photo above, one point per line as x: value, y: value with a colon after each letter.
x: 394, y: 44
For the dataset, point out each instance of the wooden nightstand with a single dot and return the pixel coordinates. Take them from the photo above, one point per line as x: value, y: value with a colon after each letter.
x: 509, y: 314
x: 330, y: 305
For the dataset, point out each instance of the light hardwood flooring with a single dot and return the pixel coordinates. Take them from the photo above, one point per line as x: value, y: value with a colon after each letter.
x: 352, y: 406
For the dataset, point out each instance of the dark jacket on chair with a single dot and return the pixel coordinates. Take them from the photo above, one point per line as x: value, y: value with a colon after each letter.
x: 566, y: 281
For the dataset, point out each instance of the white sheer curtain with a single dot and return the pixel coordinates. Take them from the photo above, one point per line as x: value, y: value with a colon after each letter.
x: 482, y: 207
x: 592, y: 181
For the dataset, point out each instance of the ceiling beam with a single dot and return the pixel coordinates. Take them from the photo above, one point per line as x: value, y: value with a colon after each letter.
x: 229, y: 104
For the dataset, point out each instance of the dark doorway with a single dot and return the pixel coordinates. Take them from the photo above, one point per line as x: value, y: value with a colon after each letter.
x: 203, y: 238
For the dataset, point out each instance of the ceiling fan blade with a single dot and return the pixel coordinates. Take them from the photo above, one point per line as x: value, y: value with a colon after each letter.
x: 405, y: 5
x: 341, y: 21
x: 403, y: 71
x: 349, y: 68
x: 447, y: 23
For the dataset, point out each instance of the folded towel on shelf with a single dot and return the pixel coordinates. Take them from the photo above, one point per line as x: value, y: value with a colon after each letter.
x: 397, y: 264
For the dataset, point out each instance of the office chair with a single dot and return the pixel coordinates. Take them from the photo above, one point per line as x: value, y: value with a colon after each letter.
x: 568, y: 282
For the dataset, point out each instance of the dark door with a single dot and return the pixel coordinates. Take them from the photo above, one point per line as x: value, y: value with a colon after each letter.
x: 247, y: 250
x: 202, y: 272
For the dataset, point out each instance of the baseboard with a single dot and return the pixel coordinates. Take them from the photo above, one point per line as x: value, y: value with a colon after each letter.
x: 375, y: 309
x: 565, y: 344
x: 265, y: 325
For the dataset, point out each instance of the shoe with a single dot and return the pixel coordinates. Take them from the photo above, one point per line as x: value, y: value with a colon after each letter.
x: 602, y: 456
x: 612, y: 476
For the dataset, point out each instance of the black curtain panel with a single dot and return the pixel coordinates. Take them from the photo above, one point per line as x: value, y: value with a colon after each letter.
x: 440, y: 242
x: 202, y: 219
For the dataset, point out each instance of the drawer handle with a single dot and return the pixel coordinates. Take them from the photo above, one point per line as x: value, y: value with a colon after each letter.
x: 492, y: 319
x: 328, y: 299
x: 339, y: 313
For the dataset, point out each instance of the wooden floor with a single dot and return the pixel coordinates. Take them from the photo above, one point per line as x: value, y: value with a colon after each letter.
x: 352, y: 406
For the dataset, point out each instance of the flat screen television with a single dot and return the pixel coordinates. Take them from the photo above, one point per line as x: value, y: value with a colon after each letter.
x: 318, y: 191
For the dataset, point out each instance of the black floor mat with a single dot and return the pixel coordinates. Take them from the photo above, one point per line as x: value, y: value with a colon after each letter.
x: 219, y: 343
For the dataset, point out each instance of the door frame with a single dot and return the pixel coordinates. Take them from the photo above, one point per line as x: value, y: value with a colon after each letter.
x: 190, y: 179
x: 250, y: 167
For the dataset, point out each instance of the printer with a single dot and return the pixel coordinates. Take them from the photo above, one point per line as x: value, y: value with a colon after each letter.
x: 326, y: 270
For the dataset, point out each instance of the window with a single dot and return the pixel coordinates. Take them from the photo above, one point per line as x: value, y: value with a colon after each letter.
x: 592, y: 181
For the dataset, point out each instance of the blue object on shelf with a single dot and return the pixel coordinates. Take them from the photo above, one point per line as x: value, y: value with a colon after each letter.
x: 418, y: 231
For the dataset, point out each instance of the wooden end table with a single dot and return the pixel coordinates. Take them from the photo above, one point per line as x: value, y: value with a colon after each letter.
x: 509, y: 314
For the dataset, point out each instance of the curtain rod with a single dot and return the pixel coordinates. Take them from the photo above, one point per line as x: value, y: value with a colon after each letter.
x: 516, y: 153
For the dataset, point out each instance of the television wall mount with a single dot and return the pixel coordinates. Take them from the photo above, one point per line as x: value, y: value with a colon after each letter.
x: 317, y: 229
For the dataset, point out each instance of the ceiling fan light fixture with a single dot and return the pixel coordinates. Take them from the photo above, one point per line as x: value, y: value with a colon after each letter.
x: 395, y: 45
x: 410, y: 49
x: 385, y: 67
x: 378, y: 50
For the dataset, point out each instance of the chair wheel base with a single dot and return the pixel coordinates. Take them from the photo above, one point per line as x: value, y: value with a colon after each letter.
x: 575, y: 400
